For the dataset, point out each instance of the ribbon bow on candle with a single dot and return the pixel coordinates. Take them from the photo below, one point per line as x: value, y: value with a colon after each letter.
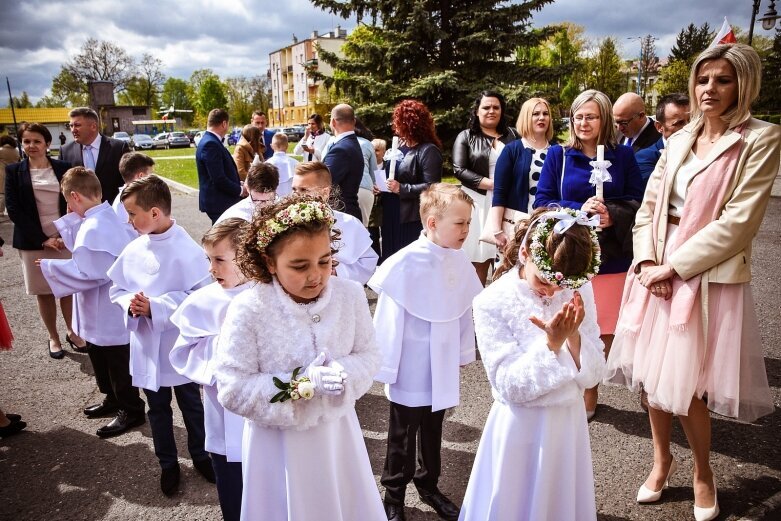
x: 566, y: 220
x: 599, y: 173
x: 393, y: 154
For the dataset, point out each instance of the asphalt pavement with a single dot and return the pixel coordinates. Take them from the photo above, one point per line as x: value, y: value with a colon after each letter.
x: 59, y: 469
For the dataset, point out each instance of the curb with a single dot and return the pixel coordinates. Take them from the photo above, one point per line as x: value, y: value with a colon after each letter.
x: 179, y: 186
x: 762, y: 510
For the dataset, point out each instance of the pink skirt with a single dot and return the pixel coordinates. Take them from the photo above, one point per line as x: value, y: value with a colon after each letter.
x: 607, y: 296
x: 673, y: 366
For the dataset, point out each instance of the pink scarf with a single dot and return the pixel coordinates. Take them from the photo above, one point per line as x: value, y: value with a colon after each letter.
x: 702, y: 205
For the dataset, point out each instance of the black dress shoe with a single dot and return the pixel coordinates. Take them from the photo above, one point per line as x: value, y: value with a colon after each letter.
x: 82, y: 349
x: 101, y: 410
x: 442, y: 505
x: 394, y: 512
x: 15, y: 427
x: 13, y: 417
x: 120, y: 424
x: 169, y: 480
x: 205, y: 469
x: 57, y: 355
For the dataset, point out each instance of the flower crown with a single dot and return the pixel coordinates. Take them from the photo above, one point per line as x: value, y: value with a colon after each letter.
x: 297, y: 213
x: 559, y: 221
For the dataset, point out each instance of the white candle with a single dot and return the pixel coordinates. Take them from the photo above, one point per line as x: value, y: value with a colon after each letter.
x: 394, y: 148
x: 599, y: 186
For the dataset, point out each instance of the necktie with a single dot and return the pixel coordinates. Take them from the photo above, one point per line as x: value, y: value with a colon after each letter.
x: 89, y: 159
x: 628, y: 142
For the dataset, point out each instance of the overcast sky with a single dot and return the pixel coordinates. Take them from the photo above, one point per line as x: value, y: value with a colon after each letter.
x: 234, y: 37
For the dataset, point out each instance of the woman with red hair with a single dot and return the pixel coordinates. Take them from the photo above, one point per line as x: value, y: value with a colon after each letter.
x: 418, y: 165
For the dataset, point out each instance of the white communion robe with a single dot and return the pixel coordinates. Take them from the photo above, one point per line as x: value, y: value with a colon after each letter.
x: 95, y: 243
x: 121, y: 212
x: 534, y: 457
x: 244, y: 209
x: 424, y: 323
x: 166, y: 267
x: 287, y: 168
x: 199, y: 319
x: 301, y: 459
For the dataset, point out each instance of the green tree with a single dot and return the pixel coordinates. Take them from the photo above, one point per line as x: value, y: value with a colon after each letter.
x: 246, y: 95
x: 673, y: 77
x: 178, y: 94
x: 770, y: 93
x: 649, y: 61
x: 211, y: 95
x: 442, y: 53
x: 690, y: 42
x: 68, y: 90
x: 148, y: 81
x: 604, y: 70
x: 22, y: 101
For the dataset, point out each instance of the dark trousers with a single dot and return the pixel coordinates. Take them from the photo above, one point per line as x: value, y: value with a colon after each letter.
x: 161, y: 421
x: 112, y: 374
x: 229, y: 486
x: 407, y: 426
x: 214, y: 216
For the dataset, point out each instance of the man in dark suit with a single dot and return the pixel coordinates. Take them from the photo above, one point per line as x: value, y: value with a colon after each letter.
x: 260, y: 120
x: 218, y: 178
x: 344, y: 158
x: 95, y: 151
x: 672, y: 113
x: 635, y: 128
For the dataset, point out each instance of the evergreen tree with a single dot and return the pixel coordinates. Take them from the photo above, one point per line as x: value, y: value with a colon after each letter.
x: 604, y: 70
x: 690, y: 42
x: 443, y: 53
x: 770, y: 94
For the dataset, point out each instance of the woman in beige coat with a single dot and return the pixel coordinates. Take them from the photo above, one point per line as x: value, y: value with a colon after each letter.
x: 687, y: 333
x: 249, y: 145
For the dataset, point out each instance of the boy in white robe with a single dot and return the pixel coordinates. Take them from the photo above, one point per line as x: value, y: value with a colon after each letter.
x: 96, y: 236
x: 132, y: 166
x: 425, y: 332
x: 261, y: 184
x: 199, y: 319
x: 356, y: 258
x: 283, y: 162
x: 152, y: 276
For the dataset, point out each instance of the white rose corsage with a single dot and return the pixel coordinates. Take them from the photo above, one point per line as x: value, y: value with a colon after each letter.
x: 296, y: 389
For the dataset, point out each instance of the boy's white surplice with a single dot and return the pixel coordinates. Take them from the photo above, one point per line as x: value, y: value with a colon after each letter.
x: 243, y: 210
x: 199, y: 319
x: 166, y: 267
x: 95, y: 242
x: 534, y: 458
x: 424, y: 323
x: 119, y: 209
x: 286, y: 166
x: 302, y: 459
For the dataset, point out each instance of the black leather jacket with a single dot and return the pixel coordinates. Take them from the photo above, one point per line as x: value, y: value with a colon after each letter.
x: 471, y: 153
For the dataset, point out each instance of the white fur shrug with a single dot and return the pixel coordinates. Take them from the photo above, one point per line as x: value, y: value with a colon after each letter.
x: 267, y: 334
x: 521, y: 368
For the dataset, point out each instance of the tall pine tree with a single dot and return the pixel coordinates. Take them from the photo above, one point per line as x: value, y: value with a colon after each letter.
x: 691, y: 41
x: 442, y: 53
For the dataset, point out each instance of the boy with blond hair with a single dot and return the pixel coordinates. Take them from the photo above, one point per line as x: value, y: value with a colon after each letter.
x: 425, y: 333
x: 151, y: 277
x: 96, y: 237
x: 284, y: 163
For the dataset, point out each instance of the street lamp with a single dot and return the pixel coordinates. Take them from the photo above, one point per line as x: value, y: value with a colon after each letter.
x: 768, y: 20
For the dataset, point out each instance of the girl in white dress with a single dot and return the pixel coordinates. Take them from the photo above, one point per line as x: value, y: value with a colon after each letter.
x: 539, y: 342
x: 295, y: 352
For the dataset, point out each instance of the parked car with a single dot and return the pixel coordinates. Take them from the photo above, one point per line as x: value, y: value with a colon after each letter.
x: 142, y: 142
x: 161, y: 140
x: 234, y: 136
x: 178, y: 140
x: 123, y: 136
x: 300, y: 130
x: 191, y: 134
x: 197, y: 137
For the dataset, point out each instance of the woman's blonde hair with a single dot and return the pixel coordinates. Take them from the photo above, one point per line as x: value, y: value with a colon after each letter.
x: 524, y: 125
x: 607, y: 124
x: 748, y: 73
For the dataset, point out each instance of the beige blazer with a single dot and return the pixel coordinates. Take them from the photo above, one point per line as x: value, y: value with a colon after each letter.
x: 722, y: 249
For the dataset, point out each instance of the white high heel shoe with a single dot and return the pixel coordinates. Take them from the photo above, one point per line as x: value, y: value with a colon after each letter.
x: 708, y: 513
x: 646, y: 495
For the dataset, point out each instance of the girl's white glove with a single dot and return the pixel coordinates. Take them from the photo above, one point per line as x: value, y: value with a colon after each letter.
x: 327, y: 380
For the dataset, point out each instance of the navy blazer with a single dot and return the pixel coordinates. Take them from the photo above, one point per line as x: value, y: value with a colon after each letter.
x: 647, y: 159
x: 511, y: 176
x: 267, y: 136
x: 218, y: 178
x: 345, y: 161
x: 107, y: 167
x: 20, y: 202
x: 574, y: 188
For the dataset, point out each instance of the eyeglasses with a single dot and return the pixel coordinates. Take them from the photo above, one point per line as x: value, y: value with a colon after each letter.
x: 588, y: 117
x: 625, y: 122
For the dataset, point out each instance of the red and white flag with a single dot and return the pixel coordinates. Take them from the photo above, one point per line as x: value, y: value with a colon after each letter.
x: 725, y: 34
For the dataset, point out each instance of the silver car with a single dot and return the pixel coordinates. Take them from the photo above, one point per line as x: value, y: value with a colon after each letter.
x: 123, y: 136
x: 178, y: 140
x: 161, y: 140
x: 142, y: 142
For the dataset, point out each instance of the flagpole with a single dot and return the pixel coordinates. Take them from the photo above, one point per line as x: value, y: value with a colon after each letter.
x: 754, y: 12
x: 13, y: 113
